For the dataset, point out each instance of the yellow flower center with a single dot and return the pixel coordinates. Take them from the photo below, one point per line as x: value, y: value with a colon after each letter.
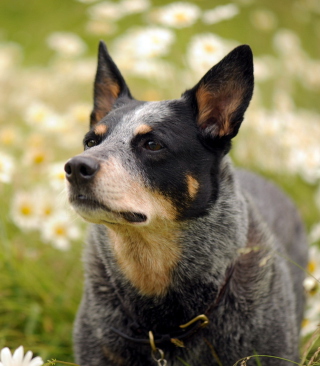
x: 38, y: 158
x: 181, y: 17
x: 60, y: 231
x: 304, y: 323
x: 26, y: 210
x: 47, y: 211
x: 312, y: 265
x: 39, y: 116
x: 7, y: 137
x: 209, y: 48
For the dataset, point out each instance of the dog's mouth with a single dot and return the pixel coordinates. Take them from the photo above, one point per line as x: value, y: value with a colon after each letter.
x: 133, y: 217
x: 84, y: 205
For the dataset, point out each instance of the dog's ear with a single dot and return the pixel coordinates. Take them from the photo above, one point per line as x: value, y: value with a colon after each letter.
x: 222, y: 96
x: 109, y: 85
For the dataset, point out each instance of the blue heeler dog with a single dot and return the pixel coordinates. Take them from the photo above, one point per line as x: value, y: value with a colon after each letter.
x: 187, y: 259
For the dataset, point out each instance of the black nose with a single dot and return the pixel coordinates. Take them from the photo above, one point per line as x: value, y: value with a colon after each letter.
x: 81, y: 169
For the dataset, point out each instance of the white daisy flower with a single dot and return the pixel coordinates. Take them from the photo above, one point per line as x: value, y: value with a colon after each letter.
x: 263, y: 19
x: 106, y: 10
x: 159, y: 70
x: 99, y: 27
x: 134, y: 6
x: 311, y: 320
x: 141, y: 43
x: 220, y: 13
x: 10, y: 136
x: 59, y: 231
x: 37, y: 156
x: 25, y: 210
x: 204, y: 51
x: 6, y: 168
x: 56, y: 175
x: 66, y: 44
x: 311, y: 283
x: 48, y: 203
x: 313, y: 237
x: 10, y: 54
x: 18, y: 358
x: 79, y: 114
x: 40, y: 115
x: 287, y: 43
x: 264, y: 68
x: 178, y: 15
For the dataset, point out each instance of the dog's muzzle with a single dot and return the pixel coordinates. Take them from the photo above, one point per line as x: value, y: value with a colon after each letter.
x: 80, y: 172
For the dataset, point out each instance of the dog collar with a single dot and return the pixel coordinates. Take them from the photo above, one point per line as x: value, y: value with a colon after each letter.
x: 185, y: 331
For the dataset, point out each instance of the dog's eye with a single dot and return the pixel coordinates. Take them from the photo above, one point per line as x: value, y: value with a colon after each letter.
x: 153, y: 146
x: 91, y: 143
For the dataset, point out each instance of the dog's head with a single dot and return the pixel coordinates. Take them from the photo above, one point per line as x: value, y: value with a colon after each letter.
x: 149, y: 160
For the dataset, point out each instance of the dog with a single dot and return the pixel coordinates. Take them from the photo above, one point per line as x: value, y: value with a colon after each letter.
x: 189, y: 260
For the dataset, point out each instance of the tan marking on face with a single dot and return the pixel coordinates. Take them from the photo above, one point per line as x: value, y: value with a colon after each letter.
x: 121, y: 191
x: 142, y: 130
x: 147, y: 255
x: 193, y: 186
x: 216, y: 108
x: 100, y: 129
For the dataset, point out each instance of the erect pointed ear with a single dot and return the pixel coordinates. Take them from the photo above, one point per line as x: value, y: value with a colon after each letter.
x: 109, y: 85
x: 222, y: 96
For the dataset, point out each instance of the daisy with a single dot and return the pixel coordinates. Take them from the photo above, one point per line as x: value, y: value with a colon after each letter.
x: 6, y: 168
x: 204, y: 51
x: 56, y: 175
x: 98, y: 27
x: 18, y: 358
x: 141, y: 43
x: 263, y: 19
x: 134, y: 6
x: 36, y: 156
x: 178, y: 15
x: 311, y: 283
x: 66, y: 44
x: 220, y: 13
x: 25, y: 210
x: 9, y: 136
x: 106, y: 10
x: 59, y: 231
x: 79, y: 114
x: 314, y: 236
x: 39, y: 114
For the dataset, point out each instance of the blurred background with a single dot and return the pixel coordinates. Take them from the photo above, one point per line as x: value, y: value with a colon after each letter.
x: 47, y: 65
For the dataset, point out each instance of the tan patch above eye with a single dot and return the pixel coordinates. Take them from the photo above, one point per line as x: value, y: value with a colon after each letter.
x: 193, y: 186
x: 142, y: 129
x: 100, y: 129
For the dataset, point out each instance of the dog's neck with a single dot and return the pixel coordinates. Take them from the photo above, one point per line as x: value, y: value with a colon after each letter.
x: 147, y: 255
x: 171, y: 254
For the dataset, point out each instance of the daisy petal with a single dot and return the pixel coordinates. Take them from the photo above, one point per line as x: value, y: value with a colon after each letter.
x: 17, y: 357
x: 27, y: 359
x: 6, y: 357
x: 37, y: 361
